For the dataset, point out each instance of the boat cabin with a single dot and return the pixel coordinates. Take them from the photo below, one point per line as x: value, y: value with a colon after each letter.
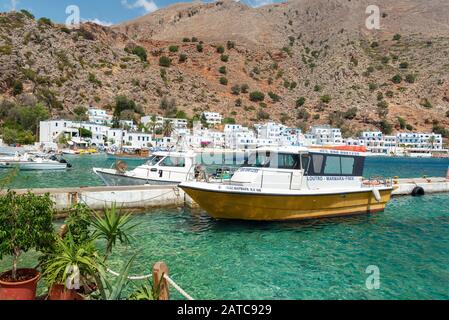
x: 167, y: 166
x: 301, y: 169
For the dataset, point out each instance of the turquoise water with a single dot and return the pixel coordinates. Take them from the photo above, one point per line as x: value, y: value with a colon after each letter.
x: 82, y: 175
x: 322, y: 259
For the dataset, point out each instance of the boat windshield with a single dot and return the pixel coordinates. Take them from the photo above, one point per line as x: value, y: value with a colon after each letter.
x: 274, y: 160
x: 154, y: 160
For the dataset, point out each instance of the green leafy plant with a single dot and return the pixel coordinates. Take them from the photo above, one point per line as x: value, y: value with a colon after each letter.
x: 113, y: 289
x: 69, y: 262
x: 173, y: 48
x: 256, y: 96
x: 25, y: 224
x: 164, y: 61
x: 112, y: 227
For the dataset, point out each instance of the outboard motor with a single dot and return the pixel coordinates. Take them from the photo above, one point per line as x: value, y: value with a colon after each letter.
x: 65, y: 161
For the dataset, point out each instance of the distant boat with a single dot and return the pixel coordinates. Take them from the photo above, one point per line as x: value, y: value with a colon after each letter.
x: 129, y: 154
x: 29, y: 162
x: 162, y: 168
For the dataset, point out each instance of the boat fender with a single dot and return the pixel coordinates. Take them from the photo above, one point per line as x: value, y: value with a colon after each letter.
x: 418, y: 191
x: 376, y: 194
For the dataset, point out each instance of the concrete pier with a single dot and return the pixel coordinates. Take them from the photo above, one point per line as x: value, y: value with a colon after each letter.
x: 132, y: 197
x: 428, y: 185
x: 145, y: 197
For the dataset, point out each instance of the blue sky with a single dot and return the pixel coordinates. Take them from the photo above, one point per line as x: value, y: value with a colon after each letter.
x: 102, y: 11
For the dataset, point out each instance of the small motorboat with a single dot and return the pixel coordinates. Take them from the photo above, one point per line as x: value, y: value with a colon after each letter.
x: 29, y: 162
x: 161, y: 168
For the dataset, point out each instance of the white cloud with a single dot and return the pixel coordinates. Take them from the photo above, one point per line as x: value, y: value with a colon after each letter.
x: 98, y: 21
x: 147, y: 5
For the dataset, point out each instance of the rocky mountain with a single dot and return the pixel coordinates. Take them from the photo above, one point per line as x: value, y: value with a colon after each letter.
x: 301, y: 62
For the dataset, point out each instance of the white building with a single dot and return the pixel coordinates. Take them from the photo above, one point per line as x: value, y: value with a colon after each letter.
x: 123, y: 138
x: 325, y: 136
x: 99, y: 116
x: 212, y: 118
x: 52, y: 131
x: 159, y: 122
x: 377, y: 142
x: 420, y: 141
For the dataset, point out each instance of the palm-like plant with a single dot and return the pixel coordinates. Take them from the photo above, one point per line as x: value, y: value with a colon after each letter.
x: 70, y: 263
x: 112, y: 227
x: 168, y: 128
x: 112, y: 290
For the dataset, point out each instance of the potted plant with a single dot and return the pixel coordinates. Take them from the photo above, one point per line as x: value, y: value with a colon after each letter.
x: 25, y: 224
x: 71, y: 262
x: 68, y: 267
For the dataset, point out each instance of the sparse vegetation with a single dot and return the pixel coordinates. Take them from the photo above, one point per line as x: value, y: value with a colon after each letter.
x: 224, y: 58
x: 426, y: 103
x: 274, y: 96
x: 164, y: 61
x: 44, y: 22
x: 182, y: 57
x: 397, y: 79
x: 300, y: 102
x: 325, y: 98
x: 93, y: 79
x: 256, y: 96
x: 236, y: 90
x: 173, y: 49
x: 223, y: 81
x: 410, y: 78
x: 17, y: 87
x: 262, y: 115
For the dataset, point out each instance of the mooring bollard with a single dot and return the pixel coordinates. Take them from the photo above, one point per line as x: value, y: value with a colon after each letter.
x: 160, y: 284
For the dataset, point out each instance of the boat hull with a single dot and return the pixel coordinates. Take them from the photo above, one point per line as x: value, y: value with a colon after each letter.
x: 112, y: 179
x: 32, y: 166
x: 275, y: 207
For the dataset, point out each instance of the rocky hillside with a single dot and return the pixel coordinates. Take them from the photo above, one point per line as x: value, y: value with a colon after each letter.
x: 300, y: 62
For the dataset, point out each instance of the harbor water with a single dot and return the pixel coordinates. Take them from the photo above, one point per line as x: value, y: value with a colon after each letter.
x: 322, y: 259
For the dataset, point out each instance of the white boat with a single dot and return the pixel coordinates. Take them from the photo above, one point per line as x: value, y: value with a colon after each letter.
x: 29, y: 162
x: 162, y: 168
x: 288, y: 184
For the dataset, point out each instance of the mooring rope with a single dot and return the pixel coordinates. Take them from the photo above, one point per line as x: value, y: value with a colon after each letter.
x: 132, y: 278
x: 166, y: 277
x: 127, y: 202
x: 178, y: 288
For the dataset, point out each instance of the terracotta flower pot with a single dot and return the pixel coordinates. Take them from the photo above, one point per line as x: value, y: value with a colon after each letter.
x: 21, y: 290
x: 60, y: 292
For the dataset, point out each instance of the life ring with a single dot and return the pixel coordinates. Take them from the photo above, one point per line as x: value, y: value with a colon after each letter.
x: 121, y: 166
x: 418, y: 191
x: 372, y: 183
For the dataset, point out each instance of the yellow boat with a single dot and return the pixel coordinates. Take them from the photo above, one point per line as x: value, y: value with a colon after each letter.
x: 276, y: 185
